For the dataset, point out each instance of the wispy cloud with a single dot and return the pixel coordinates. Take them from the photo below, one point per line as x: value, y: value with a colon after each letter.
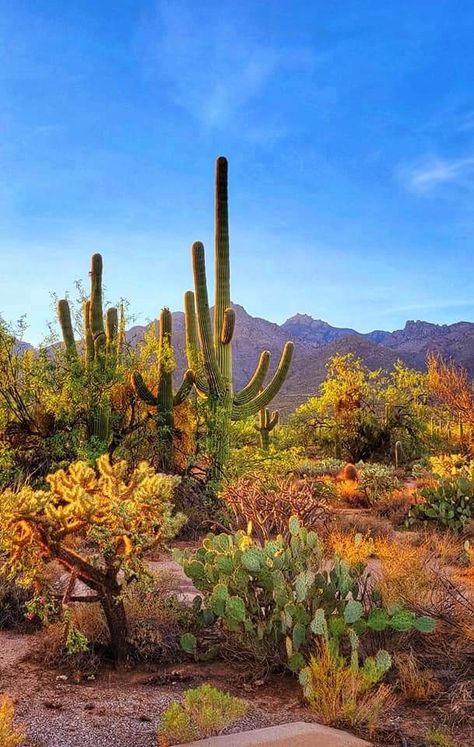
x: 440, y: 172
x: 215, y: 69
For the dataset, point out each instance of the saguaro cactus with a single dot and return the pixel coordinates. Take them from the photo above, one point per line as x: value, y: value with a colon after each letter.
x: 267, y: 424
x: 164, y: 400
x: 209, y: 345
x: 101, y: 347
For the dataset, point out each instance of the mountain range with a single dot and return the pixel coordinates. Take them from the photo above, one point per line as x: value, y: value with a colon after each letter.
x: 317, y: 341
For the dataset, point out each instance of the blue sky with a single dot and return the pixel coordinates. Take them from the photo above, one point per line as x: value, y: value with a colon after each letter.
x: 349, y: 127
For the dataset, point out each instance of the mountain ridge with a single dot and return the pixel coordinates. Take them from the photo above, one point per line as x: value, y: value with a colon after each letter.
x: 316, y: 341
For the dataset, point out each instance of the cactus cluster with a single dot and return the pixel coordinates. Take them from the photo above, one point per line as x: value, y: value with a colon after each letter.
x: 164, y: 401
x: 208, y: 342
x: 208, y: 349
x: 103, y: 342
x: 285, y: 592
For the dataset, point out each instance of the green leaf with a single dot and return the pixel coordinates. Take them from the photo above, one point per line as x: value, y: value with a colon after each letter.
x: 252, y: 559
x: 299, y: 635
x: 424, y: 624
x: 235, y: 608
x: 378, y: 619
x: 218, y: 599
x: 318, y: 623
x: 188, y: 642
x: 225, y: 564
x: 296, y: 662
x: 402, y: 621
x: 336, y: 625
x: 383, y: 660
x: 353, y: 611
x: 303, y: 583
x: 294, y: 525
x: 194, y: 570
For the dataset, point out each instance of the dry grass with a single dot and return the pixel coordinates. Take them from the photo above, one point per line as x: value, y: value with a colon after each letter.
x: 350, y: 492
x: 339, y: 696
x: 352, y: 548
x: 416, y: 683
x: 395, y: 506
x: 10, y: 735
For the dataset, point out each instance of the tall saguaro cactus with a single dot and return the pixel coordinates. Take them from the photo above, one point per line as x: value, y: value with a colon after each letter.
x: 210, y: 344
x: 267, y: 423
x: 164, y: 400
x: 101, y: 346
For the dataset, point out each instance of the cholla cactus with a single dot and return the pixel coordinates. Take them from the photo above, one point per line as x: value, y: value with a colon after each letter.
x: 209, y: 344
x: 164, y: 400
x: 103, y: 341
x: 115, y: 516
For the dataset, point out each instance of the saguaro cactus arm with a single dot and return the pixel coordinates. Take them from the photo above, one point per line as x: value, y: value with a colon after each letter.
x: 88, y: 338
x: 112, y: 335
x: 64, y: 317
x: 185, y: 388
x: 215, y: 380
x: 142, y: 390
x: 96, y: 317
x: 241, y: 411
x: 252, y: 388
x: 228, y: 326
x: 193, y: 353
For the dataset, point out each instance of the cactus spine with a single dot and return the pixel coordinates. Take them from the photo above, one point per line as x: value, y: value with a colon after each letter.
x: 209, y: 345
x: 101, y: 347
x: 267, y: 424
x: 164, y: 400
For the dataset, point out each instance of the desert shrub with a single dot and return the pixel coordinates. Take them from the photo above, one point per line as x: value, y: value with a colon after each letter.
x: 361, y: 522
x: 75, y: 643
x: 346, y: 694
x: 438, y: 738
x: 416, y: 683
x: 269, y: 507
x: 449, y: 504
x: 282, y: 595
x: 375, y: 480
x: 353, y: 549
x: 321, y: 467
x: 262, y: 463
x: 452, y: 465
x: 13, y: 599
x: 395, y: 506
x: 97, y: 525
x: 205, y: 710
x: 350, y: 492
x: 201, y: 507
x: 361, y: 414
x: 157, y: 620
x: 10, y: 735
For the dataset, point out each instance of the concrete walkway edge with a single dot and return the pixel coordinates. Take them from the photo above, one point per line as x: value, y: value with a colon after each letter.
x: 298, y: 734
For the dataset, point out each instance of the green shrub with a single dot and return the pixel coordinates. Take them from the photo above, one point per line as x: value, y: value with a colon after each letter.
x: 450, y: 503
x: 278, y: 597
x: 375, y: 480
x: 205, y: 710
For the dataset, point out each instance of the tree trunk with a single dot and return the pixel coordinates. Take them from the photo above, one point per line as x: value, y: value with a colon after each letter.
x: 115, y: 615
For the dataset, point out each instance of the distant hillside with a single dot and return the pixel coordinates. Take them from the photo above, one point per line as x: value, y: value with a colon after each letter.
x: 316, y: 341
